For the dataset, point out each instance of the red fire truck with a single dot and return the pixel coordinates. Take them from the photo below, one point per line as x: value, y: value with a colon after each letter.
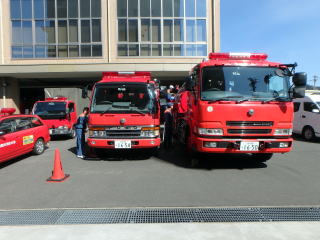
x: 238, y: 103
x: 124, y: 112
x: 59, y: 114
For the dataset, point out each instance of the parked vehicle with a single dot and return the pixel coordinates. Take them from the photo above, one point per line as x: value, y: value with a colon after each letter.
x: 124, y: 112
x: 20, y: 134
x: 307, y: 115
x: 238, y: 103
x: 59, y: 114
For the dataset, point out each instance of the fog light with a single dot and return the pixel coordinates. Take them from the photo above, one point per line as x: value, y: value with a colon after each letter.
x: 210, y: 144
x: 283, y: 144
x: 93, y: 142
x: 152, y: 142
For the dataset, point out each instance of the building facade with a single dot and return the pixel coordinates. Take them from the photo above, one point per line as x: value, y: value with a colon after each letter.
x: 68, y: 43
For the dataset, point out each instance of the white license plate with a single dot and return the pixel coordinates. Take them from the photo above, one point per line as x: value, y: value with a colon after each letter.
x: 249, y: 146
x: 122, y: 144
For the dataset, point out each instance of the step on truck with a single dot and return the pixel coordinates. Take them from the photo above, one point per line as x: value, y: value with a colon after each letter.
x: 124, y: 112
x: 238, y: 103
x: 59, y: 114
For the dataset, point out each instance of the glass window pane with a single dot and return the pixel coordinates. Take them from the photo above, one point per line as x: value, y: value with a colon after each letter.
x: 133, y: 8
x: 96, y: 30
x: 73, y: 8
x: 84, y: 8
x: 167, y: 8
x: 178, y: 6
x: 62, y: 32
x: 15, y: 9
x: 167, y: 50
x: 62, y: 51
x: 86, y: 50
x: 52, y: 51
x: 96, y: 50
x: 178, y: 30
x: 191, y: 31
x: 156, y: 50
x: 38, y: 8
x: 145, y: 50
x: 145, y: 8
x: 62, y: 8
x: 16, y: 52
x: 190, y: 9
x: 85, y: 31
x: 201, y: 8
x: 50, y: 30
x: 40, y: 32
x: 201, y: 31
x: 122, y: 8
x: 74, y: 51
x: 133, y: 30
x: 145, y: 30
x: 178, y: 50
x: 73, y: 31
x: 122, y: 50
x: 40, y: 52
x: 134, y: 50
x: 95, y: 8
x: 122, y: 30
x: 156, y: 31
x: 191, y: 50
x: 202, y: 50
x: 26, y: 9
x: 167, y: 30
x: 27, y: 32
x: 27, y: 52
x: 16, y: 32
x: 50, y: 9
x: 156, y: 8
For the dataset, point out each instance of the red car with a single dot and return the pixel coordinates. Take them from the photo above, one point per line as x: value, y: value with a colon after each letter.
x: 21, y: 134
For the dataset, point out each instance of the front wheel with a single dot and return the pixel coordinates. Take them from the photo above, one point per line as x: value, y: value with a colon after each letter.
x: 72, y: 133
x: 262, y: 157
x: 39, y: 147
x: 308, y: 133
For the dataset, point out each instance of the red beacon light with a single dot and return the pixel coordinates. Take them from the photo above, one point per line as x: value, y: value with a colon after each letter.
x: 56, y: 98
x: 7, y: 111
x: 238, y: 56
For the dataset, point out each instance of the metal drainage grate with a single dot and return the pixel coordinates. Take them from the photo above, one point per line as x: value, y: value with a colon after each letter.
x: 156, y: 215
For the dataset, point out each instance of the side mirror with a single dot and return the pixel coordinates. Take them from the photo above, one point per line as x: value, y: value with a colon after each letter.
x: 189, y: 83
x: 298, y: 92
x: 84, y: 92
x: 2, y: 133
x: 315, y: 110
x: 300, y: 79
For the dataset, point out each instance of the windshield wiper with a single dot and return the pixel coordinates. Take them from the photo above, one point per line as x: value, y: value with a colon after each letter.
x: 227, y: 98
x: 137, y: 111
x: 280, y: 99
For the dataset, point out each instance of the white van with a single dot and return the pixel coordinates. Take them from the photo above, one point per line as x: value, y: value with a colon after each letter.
x: 307, y: 115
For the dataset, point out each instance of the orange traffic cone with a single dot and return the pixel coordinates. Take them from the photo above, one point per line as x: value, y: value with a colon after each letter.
x: 57, y: 173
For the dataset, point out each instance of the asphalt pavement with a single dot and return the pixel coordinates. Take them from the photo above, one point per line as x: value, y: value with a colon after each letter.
x: 136, y: 180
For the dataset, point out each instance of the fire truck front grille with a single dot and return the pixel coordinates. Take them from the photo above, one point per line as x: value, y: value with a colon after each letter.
x: 250, y: 123
x: 249, y: 131
x: 123, y: 133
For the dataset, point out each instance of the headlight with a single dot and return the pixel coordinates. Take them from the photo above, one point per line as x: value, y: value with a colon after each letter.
x: 97, y: 133
x: 63, y: 127
x: 150, y: 132
x: 286, y: 132
x: 210, y: 131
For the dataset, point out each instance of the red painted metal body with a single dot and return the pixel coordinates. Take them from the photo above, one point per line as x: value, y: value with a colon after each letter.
x: 122, y: 128
x: 233, y: 119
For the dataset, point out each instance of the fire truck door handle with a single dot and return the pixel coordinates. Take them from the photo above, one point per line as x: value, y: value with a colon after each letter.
x: 303, y: 116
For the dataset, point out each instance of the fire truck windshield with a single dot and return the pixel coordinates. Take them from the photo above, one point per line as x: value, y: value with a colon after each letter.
x: 244, y: 83
x: 123, y: 98
x: 50, y: 110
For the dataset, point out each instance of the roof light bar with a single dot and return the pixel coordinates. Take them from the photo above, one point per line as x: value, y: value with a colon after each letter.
x: 7, y: 111
x: 126, y: 73
x: 239, y: 56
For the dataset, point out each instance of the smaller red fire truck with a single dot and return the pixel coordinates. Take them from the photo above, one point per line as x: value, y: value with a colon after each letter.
x: 20, y: 134
x: 59, y: 114
x: 124, y: 112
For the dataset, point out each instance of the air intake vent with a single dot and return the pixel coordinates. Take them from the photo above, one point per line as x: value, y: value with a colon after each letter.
x: 249, y: 131
x: 250, y: 123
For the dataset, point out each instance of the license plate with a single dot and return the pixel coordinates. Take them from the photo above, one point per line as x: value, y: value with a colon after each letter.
x: 249, y: 146
x: 122, y: 144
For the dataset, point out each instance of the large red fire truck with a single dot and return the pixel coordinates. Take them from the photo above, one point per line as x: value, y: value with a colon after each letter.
x: 124, y: 112
x: 59, y: 114
x: 238, y: 103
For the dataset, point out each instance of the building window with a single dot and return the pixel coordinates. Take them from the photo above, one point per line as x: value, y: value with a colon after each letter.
x: 162, y: 28
x: 56, y: 28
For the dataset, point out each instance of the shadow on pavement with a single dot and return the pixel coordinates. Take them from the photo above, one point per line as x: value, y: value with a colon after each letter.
x: 14, y: 160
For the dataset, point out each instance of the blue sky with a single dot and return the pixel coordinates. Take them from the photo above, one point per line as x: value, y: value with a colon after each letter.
x: 287, y: 30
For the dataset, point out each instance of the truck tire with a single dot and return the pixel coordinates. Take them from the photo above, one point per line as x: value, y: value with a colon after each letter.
x: 262, y: 157
x: 38, y: 147
x: 308, y: 133
x: 191, y: 159
x: 72, y: 133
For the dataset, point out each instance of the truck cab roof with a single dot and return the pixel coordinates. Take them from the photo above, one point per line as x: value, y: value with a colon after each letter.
x: 141, y: 77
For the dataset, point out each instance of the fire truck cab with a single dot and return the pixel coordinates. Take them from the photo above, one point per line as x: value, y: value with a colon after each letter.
x: 124, y: 112
x: 59, y: 114
x: 238, y: 103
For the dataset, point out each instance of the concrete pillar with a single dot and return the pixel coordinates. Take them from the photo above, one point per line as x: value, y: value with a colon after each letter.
x: 10, y: 93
